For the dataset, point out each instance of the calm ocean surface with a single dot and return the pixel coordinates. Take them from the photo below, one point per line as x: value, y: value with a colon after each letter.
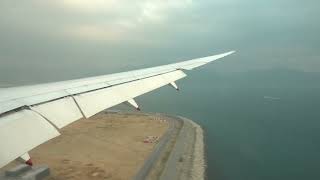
x: 258, y: 126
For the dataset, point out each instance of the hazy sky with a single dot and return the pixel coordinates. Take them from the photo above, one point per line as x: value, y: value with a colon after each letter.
x: 64, y: 39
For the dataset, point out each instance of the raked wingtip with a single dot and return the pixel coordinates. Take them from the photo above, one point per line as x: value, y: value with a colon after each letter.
x: 230, y: 52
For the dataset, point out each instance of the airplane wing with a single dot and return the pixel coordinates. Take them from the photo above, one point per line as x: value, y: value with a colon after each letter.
x: 32, y: 115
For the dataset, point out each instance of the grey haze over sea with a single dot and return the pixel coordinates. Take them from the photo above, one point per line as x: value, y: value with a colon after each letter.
x: 259, y: 107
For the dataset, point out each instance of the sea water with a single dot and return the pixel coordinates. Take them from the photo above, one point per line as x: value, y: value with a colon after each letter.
x: 258, y: 125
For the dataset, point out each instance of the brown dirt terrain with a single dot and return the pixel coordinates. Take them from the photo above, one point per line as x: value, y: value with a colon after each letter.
x: 106, y: 146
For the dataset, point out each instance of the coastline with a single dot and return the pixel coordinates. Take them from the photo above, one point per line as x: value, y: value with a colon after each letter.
x: 199, y: 163
x: 183, y: 156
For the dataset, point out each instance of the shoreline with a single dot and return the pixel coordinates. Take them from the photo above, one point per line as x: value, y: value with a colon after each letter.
x: 182, y: 157
x: 199, y: 161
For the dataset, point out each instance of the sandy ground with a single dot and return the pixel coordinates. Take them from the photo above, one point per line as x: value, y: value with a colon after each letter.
x: 106, y: 146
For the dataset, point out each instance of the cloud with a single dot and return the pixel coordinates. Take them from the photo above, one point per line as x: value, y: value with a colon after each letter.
x: 89, y: 6
x: 90, y: 19
x: 159, y: 10
x: 265, y: 34
x: 92, y: 32
x: 129, y: 16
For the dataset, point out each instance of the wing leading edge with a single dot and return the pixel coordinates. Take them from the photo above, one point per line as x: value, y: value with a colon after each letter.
x: 32, y: 115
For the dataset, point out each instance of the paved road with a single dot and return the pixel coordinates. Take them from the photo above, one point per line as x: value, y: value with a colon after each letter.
x: 155, y: 155
x: 180, y: 163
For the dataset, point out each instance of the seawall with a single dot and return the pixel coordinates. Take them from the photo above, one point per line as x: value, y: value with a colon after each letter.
x: 179, y: 154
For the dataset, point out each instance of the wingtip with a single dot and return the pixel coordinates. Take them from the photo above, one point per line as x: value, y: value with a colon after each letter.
x: 218, y: 56
x: 224, y: 54
x: 230, y: 52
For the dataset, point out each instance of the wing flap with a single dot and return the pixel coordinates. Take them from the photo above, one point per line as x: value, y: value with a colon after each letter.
x: 21, y: 132
x: 60, y: 112
x: 96, y: 101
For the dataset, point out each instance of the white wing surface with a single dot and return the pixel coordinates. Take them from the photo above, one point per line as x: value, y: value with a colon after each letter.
x: 32, y: 115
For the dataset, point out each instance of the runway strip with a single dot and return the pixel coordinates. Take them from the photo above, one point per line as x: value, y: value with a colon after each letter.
x: 178, y: 155
x: 174, y: 127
